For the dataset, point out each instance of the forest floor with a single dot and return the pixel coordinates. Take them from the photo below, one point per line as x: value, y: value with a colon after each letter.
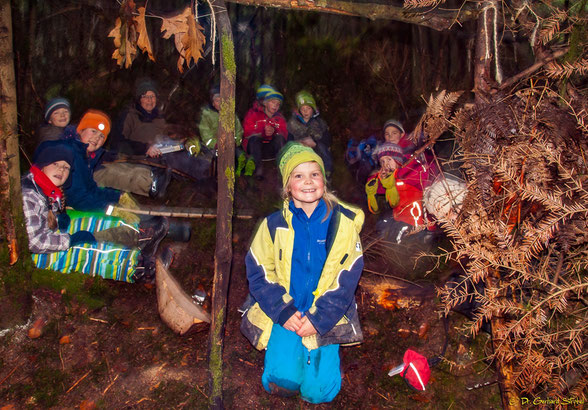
x: 104, y: 345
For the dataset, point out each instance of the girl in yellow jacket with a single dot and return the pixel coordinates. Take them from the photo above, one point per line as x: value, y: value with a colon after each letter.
x: 303, y: 268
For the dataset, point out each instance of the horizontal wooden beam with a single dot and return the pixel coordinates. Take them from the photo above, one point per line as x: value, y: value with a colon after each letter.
x: 437, y: 19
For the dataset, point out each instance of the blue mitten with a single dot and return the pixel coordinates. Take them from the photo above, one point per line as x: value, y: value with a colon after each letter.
x: 63, y: 221
x: 81, y: 237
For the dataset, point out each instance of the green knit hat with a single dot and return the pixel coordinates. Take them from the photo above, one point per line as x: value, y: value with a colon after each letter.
x: 294, y: 154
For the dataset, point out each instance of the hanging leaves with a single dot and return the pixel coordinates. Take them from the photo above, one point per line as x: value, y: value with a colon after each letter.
x: 125, y: 35
x: 188, y: 36
x: 143, y: 41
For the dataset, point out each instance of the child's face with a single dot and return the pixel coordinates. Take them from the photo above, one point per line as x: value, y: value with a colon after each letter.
x: 388, y: 164
x: 306, y: 185
x: 57, y: 172
x: 216, y: 102
x: 392, y: 134
x: 94, y: 138
x: 148, y: 101
x: 60, y: 117
x: 271, y: 106
x: 306, y: 112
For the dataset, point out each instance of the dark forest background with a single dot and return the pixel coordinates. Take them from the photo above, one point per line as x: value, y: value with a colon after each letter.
x: 361, y: 71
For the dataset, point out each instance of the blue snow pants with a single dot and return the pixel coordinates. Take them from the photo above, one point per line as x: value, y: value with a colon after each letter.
x: 316, y: 374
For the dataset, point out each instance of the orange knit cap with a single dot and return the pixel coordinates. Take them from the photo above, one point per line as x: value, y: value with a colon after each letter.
x: 95, y: 119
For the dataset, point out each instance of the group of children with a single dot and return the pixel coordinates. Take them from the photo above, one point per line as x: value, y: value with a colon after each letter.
x: 69, y: 167
x: 265, y: 130
x: 305, y: 260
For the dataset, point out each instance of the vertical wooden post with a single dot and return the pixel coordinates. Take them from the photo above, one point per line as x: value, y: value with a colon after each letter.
x: 10, y: 198
x: 482, y: 85
x: 226, y: 189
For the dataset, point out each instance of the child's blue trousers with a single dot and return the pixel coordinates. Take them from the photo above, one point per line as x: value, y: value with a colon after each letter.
x: 288, y: 364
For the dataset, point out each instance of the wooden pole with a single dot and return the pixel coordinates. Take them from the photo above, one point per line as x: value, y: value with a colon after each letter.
x: 482, y: 87
x: 226, y: 188
x: 10, y: 198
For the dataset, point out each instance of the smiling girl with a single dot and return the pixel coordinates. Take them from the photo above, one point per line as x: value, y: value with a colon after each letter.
x: 303, y: 268
x: 59, y: 243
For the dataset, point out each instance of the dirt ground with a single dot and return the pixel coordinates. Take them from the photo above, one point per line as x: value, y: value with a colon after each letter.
x: 105, y: 346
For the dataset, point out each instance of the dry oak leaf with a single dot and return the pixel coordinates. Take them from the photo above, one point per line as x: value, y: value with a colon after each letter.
x: 124, y: 43
x: 143, y: 41
x: 188, y: 36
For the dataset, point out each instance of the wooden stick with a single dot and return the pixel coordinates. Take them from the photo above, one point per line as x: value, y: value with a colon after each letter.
x: 78, y: 382
x: 9, y: 374
x: 110, y: 385
x: 182, y: 212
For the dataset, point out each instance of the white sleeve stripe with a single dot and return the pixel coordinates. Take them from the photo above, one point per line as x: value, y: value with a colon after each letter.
x: 262, y: 267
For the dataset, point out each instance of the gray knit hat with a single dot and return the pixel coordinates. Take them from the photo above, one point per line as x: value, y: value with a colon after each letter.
x: 55, y: 104
x: 144, y: 85
x: 394, y: 123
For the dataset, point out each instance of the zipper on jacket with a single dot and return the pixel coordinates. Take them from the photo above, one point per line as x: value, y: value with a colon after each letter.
x: 308, y: 362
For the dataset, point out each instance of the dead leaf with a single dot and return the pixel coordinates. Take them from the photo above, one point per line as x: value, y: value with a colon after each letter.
x: 64, y: 340
x: 404, y: 333
x: 125, y: 35
x: 88, y: 405
x: 143, y: 41
x: 423, y: 330
x: 8, y: 407
x: 37, y: 329
x: 188, y: 36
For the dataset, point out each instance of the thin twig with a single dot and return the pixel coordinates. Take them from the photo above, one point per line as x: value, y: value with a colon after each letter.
x: 110, y: 385
x: 391, y: 276
x: 9, y: 374
x: 78, y: 382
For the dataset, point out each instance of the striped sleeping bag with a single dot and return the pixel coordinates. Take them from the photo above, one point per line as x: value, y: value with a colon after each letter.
x: 108, y: 260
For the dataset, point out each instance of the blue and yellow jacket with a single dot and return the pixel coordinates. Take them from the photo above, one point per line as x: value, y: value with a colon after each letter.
x: 334, y: 310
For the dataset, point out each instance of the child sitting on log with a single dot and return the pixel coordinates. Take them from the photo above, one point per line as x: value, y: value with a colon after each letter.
x: 307, y: 127
x: 90, y: 244
x: 94, y: 185
x: 264, y: 126
x: 391, y: 187
x: 303, y: 268
x: 56, y: 118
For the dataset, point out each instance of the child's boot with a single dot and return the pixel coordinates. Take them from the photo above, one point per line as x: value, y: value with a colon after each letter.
x: 249, y: 167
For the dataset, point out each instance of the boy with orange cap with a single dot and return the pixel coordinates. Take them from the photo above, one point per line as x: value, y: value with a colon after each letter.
x: 96, y: 185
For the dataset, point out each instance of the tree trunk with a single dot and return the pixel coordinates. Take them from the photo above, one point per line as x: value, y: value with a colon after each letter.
x: 10, y: 196
x: 226, y: 189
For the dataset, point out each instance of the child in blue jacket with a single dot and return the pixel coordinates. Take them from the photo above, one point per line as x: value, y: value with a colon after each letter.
x: 303, y: 268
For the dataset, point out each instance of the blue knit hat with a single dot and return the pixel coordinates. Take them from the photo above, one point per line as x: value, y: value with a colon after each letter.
x: 267, y: 92
x: 54, y: 104
x: 49, y: 152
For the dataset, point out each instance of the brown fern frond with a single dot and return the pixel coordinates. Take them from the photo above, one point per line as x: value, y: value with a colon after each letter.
x: 566, y: 69
x: 412, y: 4
x: 550, y: 27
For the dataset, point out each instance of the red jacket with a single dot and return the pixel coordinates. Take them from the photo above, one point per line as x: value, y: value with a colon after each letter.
x: 410, y: 206
x: 256, y: 120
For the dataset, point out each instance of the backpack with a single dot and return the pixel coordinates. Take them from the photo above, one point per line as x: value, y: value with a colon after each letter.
x: 416, y: 371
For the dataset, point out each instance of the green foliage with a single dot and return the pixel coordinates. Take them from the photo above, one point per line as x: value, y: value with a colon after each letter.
x: 48, y: 385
